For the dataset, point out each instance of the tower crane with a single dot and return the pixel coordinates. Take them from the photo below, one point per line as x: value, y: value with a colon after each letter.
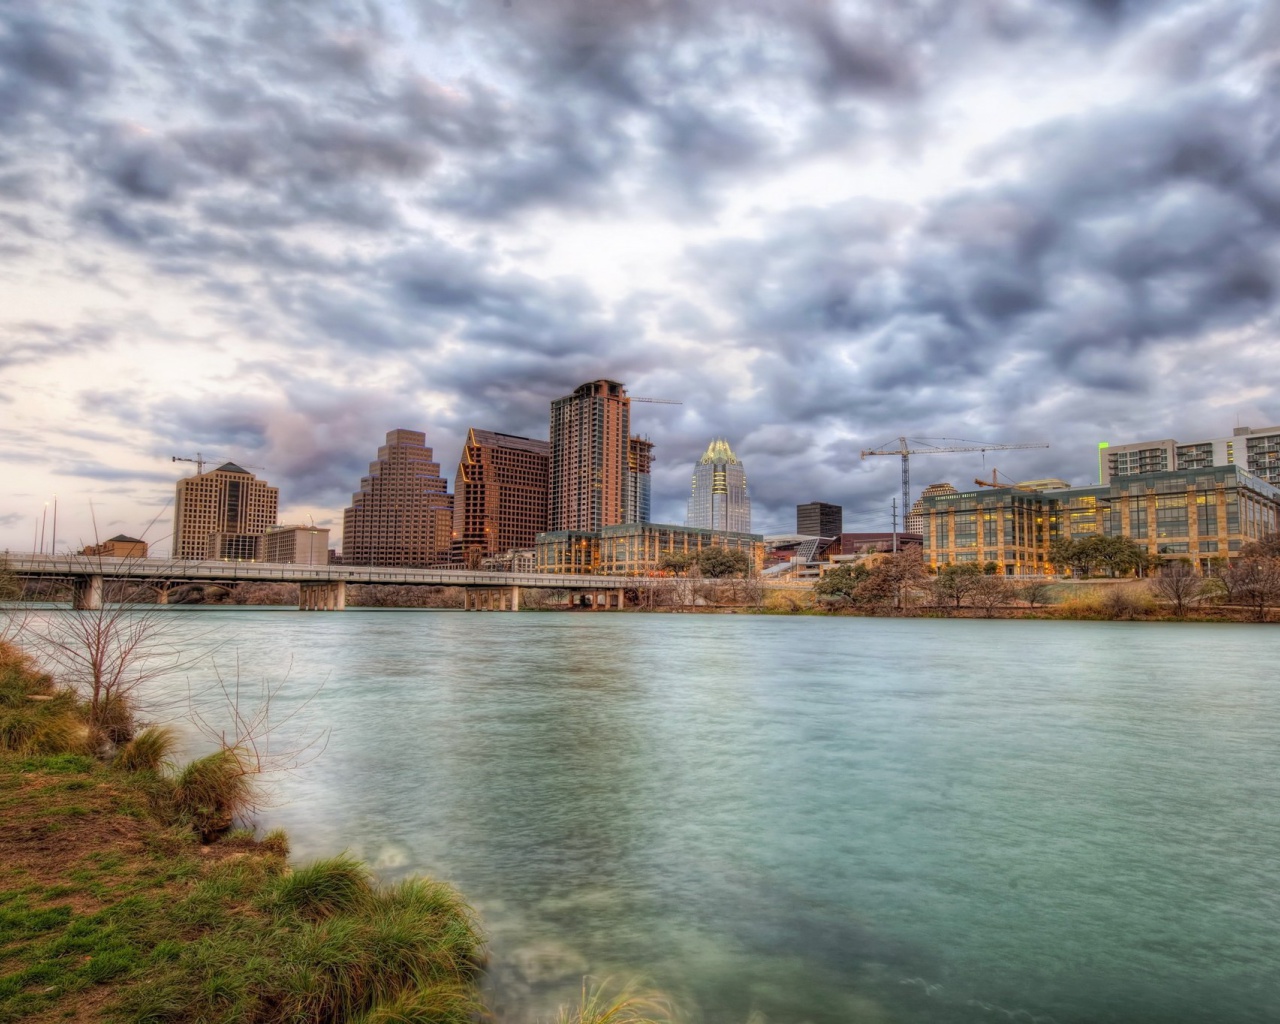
x: 200, y: 460
x: 995, y: 481
x: 658, y: 401
x: 908, y: 446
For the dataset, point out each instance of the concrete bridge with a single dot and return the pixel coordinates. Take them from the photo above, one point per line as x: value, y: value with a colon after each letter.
x: 320, y: 587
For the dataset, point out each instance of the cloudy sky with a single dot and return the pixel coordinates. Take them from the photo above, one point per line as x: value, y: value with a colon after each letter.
x: 273, y: 231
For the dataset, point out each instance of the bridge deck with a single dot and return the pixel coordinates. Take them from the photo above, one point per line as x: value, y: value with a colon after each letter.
x: 72, y: 566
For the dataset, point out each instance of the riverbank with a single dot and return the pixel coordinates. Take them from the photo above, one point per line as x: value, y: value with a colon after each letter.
x: 115, y: 906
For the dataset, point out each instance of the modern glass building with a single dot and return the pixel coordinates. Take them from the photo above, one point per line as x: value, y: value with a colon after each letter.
x: 1200, y: 515
x: 719, y: 498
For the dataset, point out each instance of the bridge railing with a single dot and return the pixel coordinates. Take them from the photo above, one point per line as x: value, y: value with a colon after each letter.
x: 172, y: 569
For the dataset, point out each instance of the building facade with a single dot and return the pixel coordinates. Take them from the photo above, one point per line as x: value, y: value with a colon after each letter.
x: 403, y: 512
x: 296, y: 545
x: 819, y: 519
x: 499, y: 495
x: 590, y: 457
x: 223, y: 514
x: 1255, y: 450
x: 718, y: 498
x: 635, y: 549
x: 914, y: 522
x: 1200, y: 515
x: 637, y: 501
x: 118, y: 546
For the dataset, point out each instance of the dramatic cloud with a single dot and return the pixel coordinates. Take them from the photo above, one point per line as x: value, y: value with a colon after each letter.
x: 272, y: 232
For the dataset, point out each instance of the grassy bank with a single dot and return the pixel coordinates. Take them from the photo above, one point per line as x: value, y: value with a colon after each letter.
x: 125, y: 895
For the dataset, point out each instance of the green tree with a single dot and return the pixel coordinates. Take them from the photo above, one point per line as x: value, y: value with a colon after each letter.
x: 955, y: 583
x: 676, y: 561
x: 717, y: 563
x: 842, y: 582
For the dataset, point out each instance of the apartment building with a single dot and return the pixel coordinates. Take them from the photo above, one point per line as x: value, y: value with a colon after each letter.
x: 1257, y: 450
x: 499, y: 495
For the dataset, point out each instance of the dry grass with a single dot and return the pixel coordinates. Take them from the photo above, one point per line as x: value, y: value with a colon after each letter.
x: 628, y: 1004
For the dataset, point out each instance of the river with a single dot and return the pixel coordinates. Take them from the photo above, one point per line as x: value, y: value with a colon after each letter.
x: 810, y: 819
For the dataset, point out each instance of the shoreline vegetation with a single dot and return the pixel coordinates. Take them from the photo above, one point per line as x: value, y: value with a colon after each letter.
x: 129, y: 894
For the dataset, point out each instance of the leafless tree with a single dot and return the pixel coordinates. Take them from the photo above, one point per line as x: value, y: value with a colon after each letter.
x: 1178, y: 584
x: 1254, y: 582
x: 1035, y: 592
x: 989, y: 593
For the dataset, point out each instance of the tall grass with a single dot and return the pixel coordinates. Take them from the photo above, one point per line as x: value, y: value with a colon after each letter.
x: 628, y: 1005
x: 151, y: 750
x: 327, y: 887
x: 37, y: 718
x: 214, y: 790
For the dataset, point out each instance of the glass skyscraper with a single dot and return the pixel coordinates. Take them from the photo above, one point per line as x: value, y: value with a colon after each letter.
x: 719, y: 498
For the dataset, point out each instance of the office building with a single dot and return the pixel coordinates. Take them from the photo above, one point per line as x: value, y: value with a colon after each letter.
x: 403, y: 513
x: 499, y: 495
x: 296, y: 545
x: 819, y: 519
x: 223, y: 514
x: 590, y: 457
x: 635, y: 549
x: 718, y: 499
x: 1199, y: 515
x: 1255, y: 450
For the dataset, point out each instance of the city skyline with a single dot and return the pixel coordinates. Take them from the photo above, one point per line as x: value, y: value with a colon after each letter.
x: 272, y: 235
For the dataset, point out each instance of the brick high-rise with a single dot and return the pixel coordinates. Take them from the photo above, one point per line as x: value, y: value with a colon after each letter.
x: 590, y: 449
x: 223, y: 514
x: 499, y: 494
x: 403, y: 513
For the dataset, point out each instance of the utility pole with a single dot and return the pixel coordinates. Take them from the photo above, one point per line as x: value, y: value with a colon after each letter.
x: 895, y: 526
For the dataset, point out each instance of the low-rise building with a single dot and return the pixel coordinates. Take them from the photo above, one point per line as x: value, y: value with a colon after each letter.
x: 635, y: 549
x: 296, y: 545
x: 1201, y: 515
x: 118, y: 546
x: 1256, y: 450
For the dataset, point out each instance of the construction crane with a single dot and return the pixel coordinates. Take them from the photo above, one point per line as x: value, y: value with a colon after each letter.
x: 995, y: 481
x: 908, y: 446
x: 200, y: 460
x: 658, y: 401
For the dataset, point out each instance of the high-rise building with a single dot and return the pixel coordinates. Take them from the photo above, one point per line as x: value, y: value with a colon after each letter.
x: 499, y: 495
x: 637, y: 501
x: 819, y: 519
x: 403, y: 512
x: 590, y: 457
x: 915, y: 518
x: 1255, y: 450
x: 718, y: 500
x: 223, y: 514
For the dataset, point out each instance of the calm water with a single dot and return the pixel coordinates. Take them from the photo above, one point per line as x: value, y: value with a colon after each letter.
x: 823, y: 820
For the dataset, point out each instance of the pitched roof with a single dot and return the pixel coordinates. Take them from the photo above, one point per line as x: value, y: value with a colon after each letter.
x: 231, y: 467
x: 122, y: 539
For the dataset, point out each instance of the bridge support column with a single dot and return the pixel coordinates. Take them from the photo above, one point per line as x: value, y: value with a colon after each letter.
x: 491, y: 599
x: 330, y: 596
x: 86, y: 593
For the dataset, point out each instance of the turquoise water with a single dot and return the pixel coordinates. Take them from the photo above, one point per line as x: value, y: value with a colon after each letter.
x: 814, y: 819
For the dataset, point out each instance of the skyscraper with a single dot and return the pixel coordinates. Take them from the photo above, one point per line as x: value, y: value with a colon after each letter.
x: 499, y: 494
x: 403, y: 513
x: 719, y: 498
x: 590, y: 456
x: 223, y: 514
x: 637, y: 501
x: 819, y: 519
